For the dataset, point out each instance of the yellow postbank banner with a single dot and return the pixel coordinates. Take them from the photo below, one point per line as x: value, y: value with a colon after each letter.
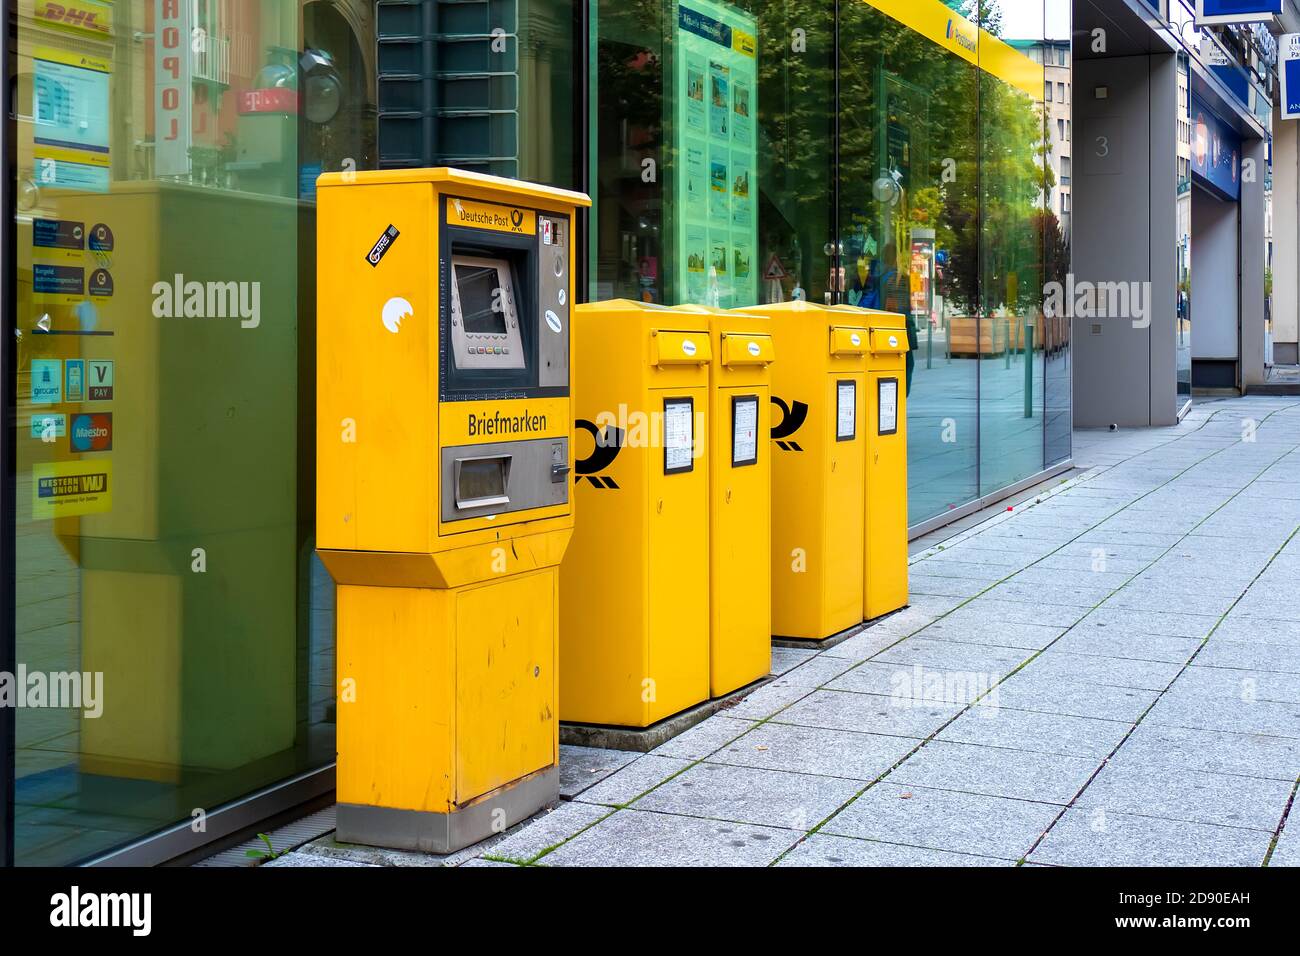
x: 484, y: 215
x: 64, y: 488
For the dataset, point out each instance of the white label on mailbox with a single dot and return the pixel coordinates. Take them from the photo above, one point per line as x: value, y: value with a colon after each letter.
x: 855, y: 339
x: 846, y: 418
x: 688, y: 347
x: 888, y: 423
x: 893, y: 341
x: 553, y: 321
x: 754, y: 349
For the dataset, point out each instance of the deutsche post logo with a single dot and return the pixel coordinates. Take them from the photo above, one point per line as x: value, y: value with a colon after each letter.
x: 792, y: 419
x: 608, y: 445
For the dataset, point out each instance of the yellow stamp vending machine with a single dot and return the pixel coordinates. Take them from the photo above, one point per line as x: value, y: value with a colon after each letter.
x: 634, y: 637
x: 740, y: 499
x: 444, y: 505
x: 818, y: 468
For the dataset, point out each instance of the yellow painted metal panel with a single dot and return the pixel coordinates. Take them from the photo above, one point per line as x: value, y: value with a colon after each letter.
x: 505, y: 681
x: 885, y: 586
x: 669, y: 347
x: 741, y: 349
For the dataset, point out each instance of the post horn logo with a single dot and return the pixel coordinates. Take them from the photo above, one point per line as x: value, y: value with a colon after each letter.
x: 792, y: 419
x: 602, y: 456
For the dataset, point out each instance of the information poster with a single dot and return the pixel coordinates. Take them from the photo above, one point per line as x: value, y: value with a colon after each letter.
x: 70, y: 119
x: 716, y: 132
x: 846, y: 411
x: 679, y: 435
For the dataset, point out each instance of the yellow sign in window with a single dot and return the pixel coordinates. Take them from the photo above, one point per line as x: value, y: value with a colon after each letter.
x: 482, y: 215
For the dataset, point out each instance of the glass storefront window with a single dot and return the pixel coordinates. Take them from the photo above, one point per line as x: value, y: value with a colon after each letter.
x: 166, y: 158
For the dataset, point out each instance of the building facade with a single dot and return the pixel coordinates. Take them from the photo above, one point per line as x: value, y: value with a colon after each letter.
x: 159, y: 283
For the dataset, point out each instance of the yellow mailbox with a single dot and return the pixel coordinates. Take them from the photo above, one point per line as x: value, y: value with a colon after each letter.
x: 818, y: 468
x: 885, y: 584
x: 740, y: 499
x: 634, y: 618
x: 443, y: 508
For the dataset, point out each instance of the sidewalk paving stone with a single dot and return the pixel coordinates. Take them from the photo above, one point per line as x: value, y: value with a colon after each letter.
x: 1083, y: 837
x: 827, y: 850
x: 638, y: 838
x: 955, y: 655
x: 547, y: 830
x: 1074, y: 697
x: 1220, y: 652
x: 1191, y: 796
x: 985, y: 609
x: 945, y: 820
x: 1198, y: 711
x: 1030, y: 637
x: 1212, y: 751
x: 1099, y: 642
x: 1116, y: 672
x: 787, y: 658
x: 636, y: 778
x: 996, y: 726
x: 584, y: 767
x: 816, y: 750
x: 843, y: 710
x: 1287, y: 850
x: 1144, y: 621
x: 1242, y: 684
x: 775, y: 798
x: 996, y: 772
x: 705, y: 737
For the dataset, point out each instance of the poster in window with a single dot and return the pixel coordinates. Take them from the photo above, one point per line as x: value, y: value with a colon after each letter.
x: 744, y: 430
x: 846, y: 411
x: 679, y: 435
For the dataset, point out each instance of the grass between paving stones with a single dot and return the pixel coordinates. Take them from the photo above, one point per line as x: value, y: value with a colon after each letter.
x: 1277, y: 834
x: 920, y: 558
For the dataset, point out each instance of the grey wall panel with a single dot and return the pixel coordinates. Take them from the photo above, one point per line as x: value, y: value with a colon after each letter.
x: 1252, y: 265
x: 1214, y: 277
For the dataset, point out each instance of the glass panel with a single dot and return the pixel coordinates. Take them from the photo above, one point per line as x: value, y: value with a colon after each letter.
x: 714, y: 156
x: 1058, y: 384
x: 166, y: 159
x: 908, y: 223
x: 1015, y: 182
x: 1184, y: 250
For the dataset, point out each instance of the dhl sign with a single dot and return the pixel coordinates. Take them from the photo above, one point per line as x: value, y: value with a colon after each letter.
x: 84, y: 16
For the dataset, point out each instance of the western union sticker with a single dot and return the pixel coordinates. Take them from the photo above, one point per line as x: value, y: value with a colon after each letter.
x: 744, y: 43
x: 482, y: 215
x: 62, y: 488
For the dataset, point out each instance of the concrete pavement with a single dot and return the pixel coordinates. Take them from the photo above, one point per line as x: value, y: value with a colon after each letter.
x: 1107, y: 675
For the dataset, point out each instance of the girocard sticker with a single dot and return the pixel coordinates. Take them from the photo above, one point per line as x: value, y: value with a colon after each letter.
x: 846, y: 411
x: 744, y: 430
x: 679, y: 436
x: 99, y: 386
x: 888, y: 423
x: 92, y: 431
x: 61, y: 488
x: 47, y: 381
x: 74, y: 380
x: 48, y: 426
x: 382, y: 245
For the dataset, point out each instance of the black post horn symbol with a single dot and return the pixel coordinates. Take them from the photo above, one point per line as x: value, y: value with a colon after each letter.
x: 602, y: 455
x: 792, y: 419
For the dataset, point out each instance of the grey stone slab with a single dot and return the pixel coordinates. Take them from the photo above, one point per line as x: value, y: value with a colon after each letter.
x: 971, y: 552
x: 1282, y: 658
x: 1127, y: 645
x: 1075, y: 697
x: 869, y: 713
x: 786, y: 658
x: 876, y: 677
x: 954, y: 655
x: 1258, y: 603
x: 1198, y: 711
x: 297, y: 859
x: 1112, y: 618
x: 583, y: 767
x: 996, y: 726
x: 825, y: 850
x: 1030, y: 637
x: 1188, y: 795
x: 995, y: 772
x: 1243, y: 684
x: 547, y: 830
x: 945, y: 820
x: 705, y: 737
x: 638, y: 838
x: 1058, y: 594
x: 479, y: 861
x: 1117, y: 672
x: 1155, y: 599
x: 1090, y: 837
x: 1085, y: 577
x: 870, y: 642
x: 818, y: 671
x: 959, y: 569
x: 984, y: 610
x: 1211, y: 751
x: 1120, y: 537
x: 1084, y: 563
x: 816, y: 750
x: 768, y: 700
x: 633, y: 780
x: 777, y: 798
x: 935, y: 604
x: 944, y: 585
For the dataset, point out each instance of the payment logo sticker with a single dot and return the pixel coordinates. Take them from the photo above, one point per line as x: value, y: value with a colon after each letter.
x: 100, y: 386
x: 47, y: 381
x: 74, y: 380
x: 92, y: 432
x: 62, y: 488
